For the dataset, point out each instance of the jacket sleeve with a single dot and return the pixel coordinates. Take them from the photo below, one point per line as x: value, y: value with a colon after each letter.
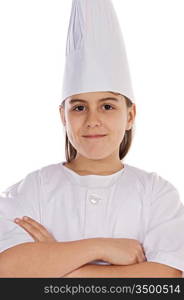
x: 20, y: 199
x: 164, y: 237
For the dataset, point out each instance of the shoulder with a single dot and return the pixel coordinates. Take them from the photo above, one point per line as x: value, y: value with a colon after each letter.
x: 30, y: 181
x: 152, y: 182
x: 34, y: 179
x: 51, y: 172
x: 140, y: 177
x: 145, y: 176
x: 23, y: 194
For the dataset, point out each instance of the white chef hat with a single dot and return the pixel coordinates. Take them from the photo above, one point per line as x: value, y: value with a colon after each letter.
x: 96, y: 58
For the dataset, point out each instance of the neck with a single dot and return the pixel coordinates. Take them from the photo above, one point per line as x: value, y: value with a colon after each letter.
x: 84, y: 166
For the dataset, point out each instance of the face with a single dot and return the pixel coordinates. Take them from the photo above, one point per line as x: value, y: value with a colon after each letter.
x: 90, y: 114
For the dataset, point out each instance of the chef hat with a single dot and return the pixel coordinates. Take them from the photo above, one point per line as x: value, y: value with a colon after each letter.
x: 96, y: 58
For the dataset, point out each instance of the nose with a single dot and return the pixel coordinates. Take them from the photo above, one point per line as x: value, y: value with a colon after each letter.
x: 93, y: 119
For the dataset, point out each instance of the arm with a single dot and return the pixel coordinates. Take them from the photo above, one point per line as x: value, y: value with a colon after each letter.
x: 141, y: 270
x: 144, y: 269
x: 47, y: 259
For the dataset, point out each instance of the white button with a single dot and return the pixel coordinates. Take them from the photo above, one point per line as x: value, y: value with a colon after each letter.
x: 94, y: 199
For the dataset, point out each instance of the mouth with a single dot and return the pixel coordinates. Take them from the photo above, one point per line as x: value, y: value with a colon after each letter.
x: 94, y: 136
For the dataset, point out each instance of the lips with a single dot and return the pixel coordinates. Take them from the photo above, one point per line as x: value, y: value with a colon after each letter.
x: 94, y: 136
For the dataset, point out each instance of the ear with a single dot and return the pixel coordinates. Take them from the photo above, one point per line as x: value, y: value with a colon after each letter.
x: 131, y: 116
x: 62, y: 114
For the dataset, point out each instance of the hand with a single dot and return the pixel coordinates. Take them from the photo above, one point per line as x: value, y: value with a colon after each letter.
x: 120, y: 251
x: 74, y: 274
x: 38, y: 232
x: 82, y: 272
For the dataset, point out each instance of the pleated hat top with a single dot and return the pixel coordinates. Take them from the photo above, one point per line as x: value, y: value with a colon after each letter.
x: 96, y: 58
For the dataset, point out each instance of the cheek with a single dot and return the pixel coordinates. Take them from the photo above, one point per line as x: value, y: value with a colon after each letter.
x: 117, y: 124
x: 73, y: 128
x: 118, y: 128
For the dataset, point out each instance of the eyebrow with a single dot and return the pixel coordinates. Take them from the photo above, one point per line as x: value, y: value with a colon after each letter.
x: 100, y: 100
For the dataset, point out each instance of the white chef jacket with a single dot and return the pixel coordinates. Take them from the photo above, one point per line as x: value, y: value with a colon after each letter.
x: 131, y: 203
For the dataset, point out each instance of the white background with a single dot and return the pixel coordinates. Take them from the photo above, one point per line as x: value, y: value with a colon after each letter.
x: 32, y: 55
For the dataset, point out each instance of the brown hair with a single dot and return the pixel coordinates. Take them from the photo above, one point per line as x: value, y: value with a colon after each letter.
x: 70, y: 151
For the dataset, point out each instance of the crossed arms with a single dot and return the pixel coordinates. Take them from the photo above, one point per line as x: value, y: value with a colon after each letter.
x: 48, y: 258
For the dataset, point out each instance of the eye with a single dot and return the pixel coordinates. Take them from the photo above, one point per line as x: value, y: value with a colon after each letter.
x: 108, y: 105
x: 105, y: 105
x: 77, y: 107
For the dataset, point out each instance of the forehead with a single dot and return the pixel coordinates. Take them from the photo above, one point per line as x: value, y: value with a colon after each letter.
x: 93, y: 97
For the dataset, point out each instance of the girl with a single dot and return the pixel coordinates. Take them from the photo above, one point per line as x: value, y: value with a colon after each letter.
x: 93, y: 215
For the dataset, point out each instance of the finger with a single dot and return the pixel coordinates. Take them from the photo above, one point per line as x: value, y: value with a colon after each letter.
x: 37, y: 225
x: 144, y: 254
x: 142, y: 249
x: 140, y: 256
x: 35, y: 233
x: 143, y: 257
